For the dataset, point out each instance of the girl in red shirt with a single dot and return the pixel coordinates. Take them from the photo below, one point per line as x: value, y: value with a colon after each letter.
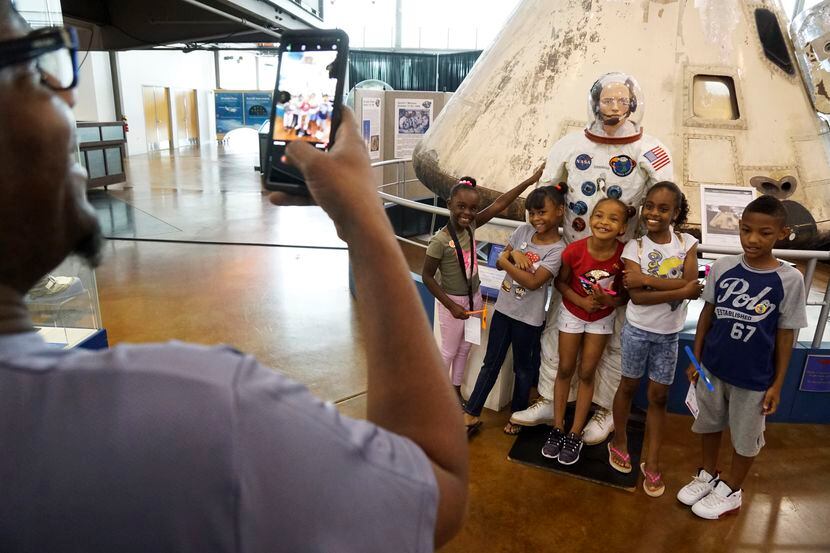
x: 590, y: 283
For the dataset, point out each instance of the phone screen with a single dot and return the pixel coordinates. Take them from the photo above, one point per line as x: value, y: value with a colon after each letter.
x: 305, y: 98
x: 311, y: 76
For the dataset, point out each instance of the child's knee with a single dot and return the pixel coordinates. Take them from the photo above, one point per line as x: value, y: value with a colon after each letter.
x: 586, y: 375
x: 565, y: 373
x: 658, y: 395
x: 628, y: 386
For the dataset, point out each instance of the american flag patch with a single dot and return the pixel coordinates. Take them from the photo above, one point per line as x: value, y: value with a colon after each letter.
x: 658, y: 157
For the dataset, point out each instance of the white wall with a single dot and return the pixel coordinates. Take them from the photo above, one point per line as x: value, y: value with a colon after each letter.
x: 94, y: 96
x: 167, y: 69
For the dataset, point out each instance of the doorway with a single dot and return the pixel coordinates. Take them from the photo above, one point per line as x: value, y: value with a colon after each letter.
x: 157, y: 117
x: 187, y: 118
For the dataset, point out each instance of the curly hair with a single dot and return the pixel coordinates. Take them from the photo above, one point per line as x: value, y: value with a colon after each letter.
x: 681, y: 203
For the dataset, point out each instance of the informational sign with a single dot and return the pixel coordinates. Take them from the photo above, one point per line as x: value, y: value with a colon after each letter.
x: 257, y: 108
x: 371, y: 126
x: 816, y: 376
x: 414, y: 117
x: 720, y: 213
x: 230, y: 112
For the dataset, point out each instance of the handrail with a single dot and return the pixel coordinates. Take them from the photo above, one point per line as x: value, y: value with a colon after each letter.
x: 811, y: 256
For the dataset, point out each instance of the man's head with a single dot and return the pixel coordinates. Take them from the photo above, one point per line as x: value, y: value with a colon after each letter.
x: 45, y: 214
x: 613, y: 101
x: 763, y: 223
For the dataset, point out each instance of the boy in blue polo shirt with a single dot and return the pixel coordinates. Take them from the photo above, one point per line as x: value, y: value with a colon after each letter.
x: 744, y: 339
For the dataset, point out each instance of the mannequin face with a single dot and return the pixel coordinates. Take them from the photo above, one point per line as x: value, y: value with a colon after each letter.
x: 614, y: 105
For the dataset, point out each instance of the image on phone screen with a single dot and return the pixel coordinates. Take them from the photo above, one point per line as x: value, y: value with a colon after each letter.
x: 305, y: 97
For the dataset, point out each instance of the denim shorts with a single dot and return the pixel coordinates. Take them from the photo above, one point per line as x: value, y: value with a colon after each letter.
x: 642, y: 349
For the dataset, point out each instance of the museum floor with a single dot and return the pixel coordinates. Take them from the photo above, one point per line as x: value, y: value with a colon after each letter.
x: 198, y: 254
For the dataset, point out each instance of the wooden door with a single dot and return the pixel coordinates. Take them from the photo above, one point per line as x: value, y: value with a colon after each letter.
x: 192, y: 117
x: 149, y: 100
x: 162, y: 97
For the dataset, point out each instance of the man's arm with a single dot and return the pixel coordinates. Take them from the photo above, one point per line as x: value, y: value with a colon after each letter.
x: 408, y: 390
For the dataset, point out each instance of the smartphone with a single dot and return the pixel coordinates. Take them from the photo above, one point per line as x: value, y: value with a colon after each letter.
x: 307, y: 100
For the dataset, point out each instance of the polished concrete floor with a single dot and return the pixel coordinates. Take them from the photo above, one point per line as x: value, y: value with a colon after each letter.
x: 199, y: 255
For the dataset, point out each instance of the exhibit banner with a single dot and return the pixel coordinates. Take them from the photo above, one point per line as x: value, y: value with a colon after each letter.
x: 816, y: 375
x: 414, y: 119
x: 257, y: 108
x: 371, y: 126
x: 720, y: 212
x: 230, y: 112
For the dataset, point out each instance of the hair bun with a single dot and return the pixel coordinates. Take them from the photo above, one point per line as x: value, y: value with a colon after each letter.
x: 561, y: 187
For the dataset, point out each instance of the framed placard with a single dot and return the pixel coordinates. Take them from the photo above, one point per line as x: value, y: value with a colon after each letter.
x: 816, y: 375
x: 720, y: 213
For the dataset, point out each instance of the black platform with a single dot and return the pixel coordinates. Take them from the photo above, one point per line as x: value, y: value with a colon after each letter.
x: 593, y: 461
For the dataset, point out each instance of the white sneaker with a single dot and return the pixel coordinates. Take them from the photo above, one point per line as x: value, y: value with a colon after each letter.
x: 721, y: 501
x: 697, y: 489
x: 540, y: 412
x: 599, y: 427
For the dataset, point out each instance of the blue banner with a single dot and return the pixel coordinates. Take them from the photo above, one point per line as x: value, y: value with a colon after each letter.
x: 257, y: 108
x: 230, y: 112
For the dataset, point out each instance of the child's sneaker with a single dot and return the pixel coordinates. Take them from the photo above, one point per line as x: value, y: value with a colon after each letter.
x: 553, y: 444
x: 722, y: 501
x: 697, y: 489
x: 571, y: 447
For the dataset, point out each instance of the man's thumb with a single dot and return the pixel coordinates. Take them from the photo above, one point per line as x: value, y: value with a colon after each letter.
x: 301, y: 155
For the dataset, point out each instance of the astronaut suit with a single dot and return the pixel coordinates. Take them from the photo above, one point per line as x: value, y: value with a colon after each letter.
x: 611, y: 158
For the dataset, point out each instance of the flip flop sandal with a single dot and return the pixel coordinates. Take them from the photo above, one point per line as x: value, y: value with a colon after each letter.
x: 652, y: 478
x: 514, y: 429
x: 613, y: 453
x: 472, y: 429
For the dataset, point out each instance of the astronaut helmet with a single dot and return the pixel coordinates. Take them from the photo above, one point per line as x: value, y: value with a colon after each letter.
x: 615, y: 108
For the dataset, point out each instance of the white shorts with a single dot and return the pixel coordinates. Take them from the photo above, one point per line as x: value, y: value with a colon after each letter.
x: 571, y: 324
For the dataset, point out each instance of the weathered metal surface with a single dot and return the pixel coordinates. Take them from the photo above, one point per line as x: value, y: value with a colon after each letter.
x: 530, y: 88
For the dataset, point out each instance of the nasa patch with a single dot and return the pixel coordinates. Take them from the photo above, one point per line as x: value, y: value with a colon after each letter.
x: 622, y: 166
x: 583, y: 162
x: 578, y: 224
x: 589, y: 188
x: 580, y: 208
x: 614, y: 192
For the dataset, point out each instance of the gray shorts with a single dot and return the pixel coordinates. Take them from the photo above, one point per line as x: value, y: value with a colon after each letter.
x: 730, y: 406
x: 643, y: 350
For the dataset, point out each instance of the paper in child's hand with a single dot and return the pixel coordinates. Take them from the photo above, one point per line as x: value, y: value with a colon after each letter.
x: 472, y: 330
x: 691, y: 401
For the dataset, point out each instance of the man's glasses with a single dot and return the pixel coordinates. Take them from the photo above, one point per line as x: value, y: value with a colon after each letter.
x: 53, y: 50
x: 608, y: 102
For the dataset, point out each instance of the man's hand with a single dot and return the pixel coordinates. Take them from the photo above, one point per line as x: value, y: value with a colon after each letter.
x: 771, y: 400
x: 693, y: 289
x: 633, y: 279
x: 459, y: 312
x: 692, y: 374
x: 521, y: 261
x: 340, y: 180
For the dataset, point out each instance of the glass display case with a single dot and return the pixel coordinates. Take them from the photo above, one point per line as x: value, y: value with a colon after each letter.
x: 64, y: 306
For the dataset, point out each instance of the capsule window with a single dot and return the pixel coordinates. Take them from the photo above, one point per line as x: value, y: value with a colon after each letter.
x: 772, y: 39
x: 714, y: 98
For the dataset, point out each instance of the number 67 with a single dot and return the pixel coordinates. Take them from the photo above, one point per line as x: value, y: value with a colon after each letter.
x: 738, y: 329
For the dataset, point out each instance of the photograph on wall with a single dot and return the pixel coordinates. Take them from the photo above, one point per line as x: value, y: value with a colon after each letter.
x: 414, y: 119
x: 371, y: 126
x: 721, y: 208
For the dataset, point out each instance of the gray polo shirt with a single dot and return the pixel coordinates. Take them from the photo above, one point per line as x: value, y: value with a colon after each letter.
x: 179, y: 447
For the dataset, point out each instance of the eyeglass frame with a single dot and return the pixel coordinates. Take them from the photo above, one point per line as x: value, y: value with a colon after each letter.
x: 37, y: 43
x: 608, y: 102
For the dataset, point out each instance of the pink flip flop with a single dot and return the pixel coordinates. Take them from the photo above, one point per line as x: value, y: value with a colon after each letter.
x: 612, y: 452
x: 652, y: 478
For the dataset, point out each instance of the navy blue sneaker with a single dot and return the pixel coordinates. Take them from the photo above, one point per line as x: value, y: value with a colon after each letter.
x: 571, y: 447
x: 553, y: 444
